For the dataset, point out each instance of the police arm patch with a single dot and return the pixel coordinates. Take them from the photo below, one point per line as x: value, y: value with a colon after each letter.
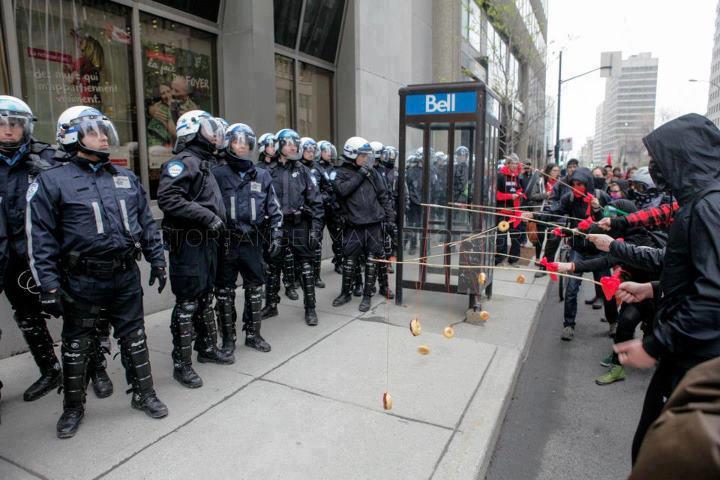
x: 175, y: 168
x: 31, y: 191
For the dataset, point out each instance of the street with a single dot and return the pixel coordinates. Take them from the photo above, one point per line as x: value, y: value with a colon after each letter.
x: 560, y: 424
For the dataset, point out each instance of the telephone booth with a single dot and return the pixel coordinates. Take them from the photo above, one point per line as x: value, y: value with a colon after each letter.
x: 436, y: 121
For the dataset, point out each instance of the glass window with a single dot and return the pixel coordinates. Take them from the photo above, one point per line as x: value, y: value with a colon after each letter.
x: 178, y: 76
x: 321, y: 28
x: 207, y: 9
x: 315, y: 112
x: 78, y: 52
x: 474, y: 35
x: 284, y: 79
x: 286, y: 19
x: 4, y: 79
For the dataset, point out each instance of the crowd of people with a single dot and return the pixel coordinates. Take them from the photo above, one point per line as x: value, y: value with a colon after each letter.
x: 653, y: 232
x: 73, y: 227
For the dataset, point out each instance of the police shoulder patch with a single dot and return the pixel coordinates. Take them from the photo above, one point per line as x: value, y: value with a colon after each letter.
x: 175, y: 168
x: 31, y: 191
x: 333, y: 174
x: 314, y: 180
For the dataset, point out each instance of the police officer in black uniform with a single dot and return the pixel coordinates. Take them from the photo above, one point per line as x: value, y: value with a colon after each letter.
x: 326, y: 158
x: 302, y: 211
x: 386, y: 167
x: 190, y: 199
x: 308, y: 149
x: 87, y: 222
x: 366, y: 205
x: 21, y: 159
x: 250, y: 202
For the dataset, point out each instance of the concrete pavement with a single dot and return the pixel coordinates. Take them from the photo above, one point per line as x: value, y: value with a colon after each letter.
x: 559, y: 422
x: 311, y: 408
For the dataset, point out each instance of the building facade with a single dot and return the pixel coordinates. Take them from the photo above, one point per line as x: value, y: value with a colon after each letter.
x: 713, y: 108
x: 330, y: 69
x: 628, y: 111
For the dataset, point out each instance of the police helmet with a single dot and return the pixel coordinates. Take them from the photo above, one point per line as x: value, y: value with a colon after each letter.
x: 201, y: 127
x: 240, y: 141
x: 308, y: 145
x: 15, y: 118
x: 356, y: 146
x: 77, y: 123
x: 377, y: 149
x: 288, y: 137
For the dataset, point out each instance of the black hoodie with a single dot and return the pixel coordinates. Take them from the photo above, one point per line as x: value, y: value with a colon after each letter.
x: 577, y: 208
x: 687, y: 153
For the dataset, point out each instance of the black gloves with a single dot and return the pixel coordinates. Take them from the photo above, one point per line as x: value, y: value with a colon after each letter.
x: 217, y: 224
x: 313, y: 239
x: 51, y: 303
x: 158, y: 273
x: 365, y: 171
x: 275, y: 244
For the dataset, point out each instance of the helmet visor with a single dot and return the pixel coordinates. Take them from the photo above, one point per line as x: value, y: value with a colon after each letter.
x: 15, y: 129
x: 308, y: 151
x: 213, y: 131
x: 290, y: 147
x: 96, y: 134
x: 240, y: 143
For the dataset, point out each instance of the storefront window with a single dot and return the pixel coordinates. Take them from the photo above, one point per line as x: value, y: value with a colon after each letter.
x: 207, y: 9
x: 78, y: 52
x: 321, y: 28
x: 284, y: 79
x: 178, y: 76
x: 286, y: 18
x: 315, y: 110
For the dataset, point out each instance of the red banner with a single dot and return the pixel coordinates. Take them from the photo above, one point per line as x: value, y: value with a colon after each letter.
x: 48, y: 55
x: 163, y: 57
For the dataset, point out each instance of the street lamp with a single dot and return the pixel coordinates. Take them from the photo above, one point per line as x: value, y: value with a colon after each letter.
x: 560, y: 82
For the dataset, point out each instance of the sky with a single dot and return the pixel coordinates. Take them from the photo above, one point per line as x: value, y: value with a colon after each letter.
x: 679, y: 34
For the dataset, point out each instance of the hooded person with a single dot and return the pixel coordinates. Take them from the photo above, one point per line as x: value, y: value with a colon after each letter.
x: 684, y: 159
x: 582, y: 201
x: 509, y: 196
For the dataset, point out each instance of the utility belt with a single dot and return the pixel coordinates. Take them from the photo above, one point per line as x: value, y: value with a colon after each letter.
x: 80, y: 313
x: 101, y: 268
x: 174, y: 238
x: 296, y: 217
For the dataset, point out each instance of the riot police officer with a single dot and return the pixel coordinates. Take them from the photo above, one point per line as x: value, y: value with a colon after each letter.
x: 365, y: 203
x: 414, y: 179
x: 250, y: 201
x: 194, y: 216
x: 21, y: 159
x: 327, y: 157
x: 386, y: 167
x: 87, y: 222
x: 301, y: 206
x: 461, y: 174
x: 266, y: 151
x: 309, y: 150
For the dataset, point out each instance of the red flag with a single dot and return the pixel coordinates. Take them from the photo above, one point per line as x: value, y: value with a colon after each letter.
x: 609, y: 160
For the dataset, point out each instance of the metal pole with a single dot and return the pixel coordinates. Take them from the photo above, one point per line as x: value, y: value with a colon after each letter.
x: 557, y: 123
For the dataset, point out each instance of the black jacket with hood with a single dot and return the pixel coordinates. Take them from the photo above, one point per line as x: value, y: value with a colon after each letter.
x: 363, y: 198
x: 575, y: 208
x: 686, y: 151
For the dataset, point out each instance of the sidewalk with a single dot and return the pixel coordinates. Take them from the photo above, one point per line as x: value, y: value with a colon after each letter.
x: 311, y: 408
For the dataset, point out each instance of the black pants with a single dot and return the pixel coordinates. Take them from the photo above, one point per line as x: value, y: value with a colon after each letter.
x: 118, y: 298
x: 244, y: 258
x: 631, y: 315
x: 414, y: 219
x: 363, y: 240
x: 667, y: 376
x: 17, y: 273
x: 193, y: 265
x: 334, y: 225
x: 515, y: 244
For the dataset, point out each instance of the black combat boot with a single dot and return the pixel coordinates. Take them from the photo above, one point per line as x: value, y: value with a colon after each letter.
x: 288, y: 272
x: 357, y: 278
x: 226, y: 318
x: 136, y: 360
x: 272, y: 287
x: 97, y: 373
x: 206, y: 342
x: 75, y: 356
x: 317, y: 263
x: 181, y: 326
x: 34, y: 329
x: 385, y: 291
x: 252, y: 316
x: 370, y: 276
x: 308, y: 284
x: 347, y: 281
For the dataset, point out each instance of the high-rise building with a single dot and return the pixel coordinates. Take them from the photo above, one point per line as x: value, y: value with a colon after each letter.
x: 586, y: 153
x: 628, y: 111
x: 713, y: 109
x: 598, y: 157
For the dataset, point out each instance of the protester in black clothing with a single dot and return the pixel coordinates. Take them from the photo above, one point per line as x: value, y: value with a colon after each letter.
x: 684, y: 158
